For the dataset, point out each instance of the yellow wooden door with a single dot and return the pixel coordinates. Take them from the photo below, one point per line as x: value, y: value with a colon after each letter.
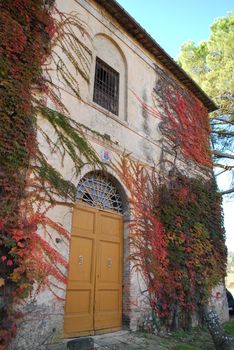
x: 81, y: 276
x: 94, y: 290
x: 108, y: 286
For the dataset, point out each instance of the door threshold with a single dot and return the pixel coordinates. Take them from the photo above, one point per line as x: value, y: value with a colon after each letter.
x: 91, y: 333
x: 107, y: 330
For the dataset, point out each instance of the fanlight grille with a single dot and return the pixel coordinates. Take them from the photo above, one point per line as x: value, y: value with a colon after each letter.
x: 99, y: 192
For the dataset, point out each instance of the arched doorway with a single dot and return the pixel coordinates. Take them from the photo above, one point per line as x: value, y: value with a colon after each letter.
x: 94, y: 290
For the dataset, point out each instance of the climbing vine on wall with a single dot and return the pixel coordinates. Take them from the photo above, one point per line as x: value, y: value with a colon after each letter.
x: 184, y: 123
x: 31, y: 32
x: 177, y: 233
x: 177, y: 240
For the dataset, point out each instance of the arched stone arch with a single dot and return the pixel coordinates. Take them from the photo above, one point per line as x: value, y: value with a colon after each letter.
x: 106, y: 49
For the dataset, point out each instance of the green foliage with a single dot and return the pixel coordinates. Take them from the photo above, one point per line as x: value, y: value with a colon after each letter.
x: 191, y: 212
x: 70, y: 139
x: 211, y: 65
x: 186, y: 347
x: 52, y: 181
x: 229, y: 328
x: 195, y: 202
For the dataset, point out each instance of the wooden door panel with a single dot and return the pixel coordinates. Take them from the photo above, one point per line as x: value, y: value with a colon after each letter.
x: 108, y: 305
x: 81, y: 277
x: 78, y: 312
x: 94, y: 291
x: 110, y: 226
x: 79, y: 301
x: 109, y: 271
x: 79, y: 308
x: 108, y: 289
x: 109, y: 300
x: 81, y: 253
x: 84, y: 220
x: 79, y: 316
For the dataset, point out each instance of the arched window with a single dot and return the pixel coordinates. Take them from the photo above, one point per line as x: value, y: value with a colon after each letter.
x: 106, y: 87
x: 109, y: 84
x: 97, y: 190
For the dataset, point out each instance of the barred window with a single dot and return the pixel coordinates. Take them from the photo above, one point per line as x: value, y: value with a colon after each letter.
x: 106, y: 87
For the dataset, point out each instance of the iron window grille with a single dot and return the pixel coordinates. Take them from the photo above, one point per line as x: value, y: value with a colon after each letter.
x: 99, y: 192
x: 106, y: 87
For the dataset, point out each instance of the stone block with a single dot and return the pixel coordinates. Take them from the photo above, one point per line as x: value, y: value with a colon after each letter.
x: 84, y: 343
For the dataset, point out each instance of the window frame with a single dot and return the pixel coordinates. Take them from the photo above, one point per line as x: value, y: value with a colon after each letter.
x: 106, y: 86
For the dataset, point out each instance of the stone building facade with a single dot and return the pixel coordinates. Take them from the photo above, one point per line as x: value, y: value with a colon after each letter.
x: 124, y: 67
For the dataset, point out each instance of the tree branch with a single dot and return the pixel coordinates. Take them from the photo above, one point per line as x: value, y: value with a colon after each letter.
x: 223, y: 133
x: 224, y: 121
x: 231, y: 190
x: 226, y: 167
x: 219, y: 154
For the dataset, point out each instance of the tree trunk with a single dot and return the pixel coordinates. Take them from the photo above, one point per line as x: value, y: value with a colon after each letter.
x: 221, y: 340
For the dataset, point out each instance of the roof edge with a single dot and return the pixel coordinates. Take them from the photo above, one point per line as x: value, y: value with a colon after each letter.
x: 140, y: 34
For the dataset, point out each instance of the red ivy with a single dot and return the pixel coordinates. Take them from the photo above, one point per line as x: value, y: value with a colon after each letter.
x: 26, y: 30
x: 177, y: 239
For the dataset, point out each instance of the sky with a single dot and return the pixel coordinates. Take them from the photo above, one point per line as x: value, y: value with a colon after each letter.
x: 173, y: 22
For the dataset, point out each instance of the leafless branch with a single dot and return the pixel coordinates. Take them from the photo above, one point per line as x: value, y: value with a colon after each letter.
x: 219, y: 154
x: 231, y: 190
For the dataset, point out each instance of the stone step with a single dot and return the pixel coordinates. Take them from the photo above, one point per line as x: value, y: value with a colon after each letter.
x: 83, y: 343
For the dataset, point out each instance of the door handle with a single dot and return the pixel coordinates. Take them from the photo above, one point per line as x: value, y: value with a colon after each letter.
x: 109, y: 263
x: 80, y: 260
